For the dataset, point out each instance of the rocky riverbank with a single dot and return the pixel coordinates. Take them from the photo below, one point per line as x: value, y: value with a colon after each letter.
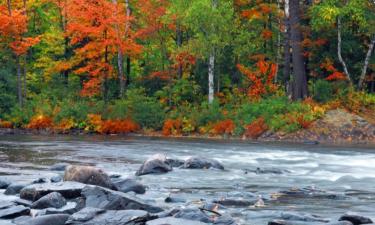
x: 86, y: 195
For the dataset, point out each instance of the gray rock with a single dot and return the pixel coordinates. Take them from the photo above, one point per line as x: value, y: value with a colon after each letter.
x: 98, y: 197
x: 67, y: 189
x: 40, y: 181
x: 91, y: 216
x: 202, y: 163
x: 238, y: 202
x: 69, y: 208
x: 302, y: 217
x: 23, y: 202
x: 14, y: 211
x: 128, y: 185
x: 4, y: 183
x: 175, y: 162
x: 174, y: 199
x: 194, y: 214
x: 88, y: 175
x: 156, y: 164
x: 6, y: 204
x: 51, y: 200
x: 56, y: 219
x: 21, y: 219
x: 59, y: 166
x: 355, y: 219
x: 174, y: 221
x: 267, y: 171
x: 14, y: 189
x: 56, y: 179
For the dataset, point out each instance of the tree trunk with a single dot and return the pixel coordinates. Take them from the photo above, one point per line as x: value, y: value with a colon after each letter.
x: 128, y: 65
x: 19, y: 82
x: 286, y: 69
x: 365, y: 65
x: 299, y: 73
x: 211, y: 71
x: 179, y: 44
x: 25, y: 80
x: 339, y: 40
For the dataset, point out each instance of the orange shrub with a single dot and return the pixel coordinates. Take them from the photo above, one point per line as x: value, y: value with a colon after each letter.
x: 303, y: 122
x: 40, y: 122
x: 118, y: 126
x: 256, y: 128
x: 172, y: 127
x: 64, y: 125
x: 224, y: 127
x: 5, y: 124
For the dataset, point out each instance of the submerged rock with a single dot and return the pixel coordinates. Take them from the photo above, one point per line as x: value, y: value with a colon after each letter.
x: 174, y: 221
x: 98, y: 197
x: 356, y: 219
x: 67, y: 189
x: 4, y: 183
x: 91, y: 216
x: 267, y: 171
x: 156, y: 164
x: 59, y: 166
x: 88, y: 175
x: 14, y: 211
x: 202, y: 163
x: 175, y: 162
x: 294, y: 216
x: 56, y: 219
x: 56, y: 179
x: 51, y: 200
x: 14, y: 189
x: 128, y: 185
x: 238, y: 202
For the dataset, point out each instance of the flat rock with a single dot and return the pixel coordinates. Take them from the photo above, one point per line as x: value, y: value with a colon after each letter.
x: 174, y: 221
x: 156, y: 164
x: 51, y: 200
x: 67, y: 189
x: 14, y: 211
x: 129, y: 184
x: 88, y: 175
x: 202, y: 163
x: 356, y: 219
x: 56, y: 219
x: 104, y: 198
x: 92, y: 216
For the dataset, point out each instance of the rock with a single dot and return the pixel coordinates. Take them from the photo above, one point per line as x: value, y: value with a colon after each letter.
x: 202, y: 163
x: 67, y: 189
x: 88, y: 175
x: 51, y: 200
x: 69, y: 208
x: 56, y: 179
x: 267, y: 171
x: 14, y: 189
x: 174, y: 199
x: 59, y: 166
x: 56, y: 219
x: 173, y: 221
x: 21, y: 219
x: 114, y: 176
x: 193, y: 214
x: 23, y: 202
x: 285, y: 222
x: 355, y: 219
x: 103, y: 198
x: 14, y: 211
x: 155, y: 164
x: 175, y: 162
x: 235, y: 202
x: 302, y: 217
x: 310, y: 192
x: 4, y: 183
x: 128, y: 185
x: 225, y: 220
x: 4, y: 204
x: 40, y: 181
x: 91, y: 216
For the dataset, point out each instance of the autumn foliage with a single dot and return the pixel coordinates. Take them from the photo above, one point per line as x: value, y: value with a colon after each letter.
x: 334, y: 74
x: 172, y: 127
x: 261, y: 78
x: 116, y: 126
x: 224, y: 127
x: 256, y: 128
x: 40, y: 122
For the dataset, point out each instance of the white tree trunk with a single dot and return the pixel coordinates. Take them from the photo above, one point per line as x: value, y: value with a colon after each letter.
x: 211, y: 71
x: 367, y: 60
x: 339, y: 40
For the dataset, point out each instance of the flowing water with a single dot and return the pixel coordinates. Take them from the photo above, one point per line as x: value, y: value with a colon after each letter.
x: 346, y: 175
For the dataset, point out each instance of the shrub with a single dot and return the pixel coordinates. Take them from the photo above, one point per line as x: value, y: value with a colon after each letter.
x: 64, y: 125
x: 40, y: 122
x: 256, y: 128
x: 77, y: 111
x: 209, y: 113
x: 118, y: 126
x: 172, y: 127
x: 223, y: 127
x: 322, y: 91
x: 5, y: 124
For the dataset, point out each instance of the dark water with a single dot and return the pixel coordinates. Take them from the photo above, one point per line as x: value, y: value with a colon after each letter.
x: 342, y: 171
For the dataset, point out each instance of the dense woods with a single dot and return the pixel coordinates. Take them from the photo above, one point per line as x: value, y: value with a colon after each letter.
x: 233, y: 67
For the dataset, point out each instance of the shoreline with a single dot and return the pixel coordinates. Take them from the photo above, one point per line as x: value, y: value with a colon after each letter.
x: 191, y: 137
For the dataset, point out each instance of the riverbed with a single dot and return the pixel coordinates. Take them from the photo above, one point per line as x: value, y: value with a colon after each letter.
x: 331, y: 180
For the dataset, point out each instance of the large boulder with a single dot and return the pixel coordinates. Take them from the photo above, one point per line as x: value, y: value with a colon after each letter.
x: 91, y: 216
x: 88, y: 175
x: 51, y: 200
x: 103, y: 198
x: 355, y: 219
x: 155, y: 164
x: 67, y: 189
x: 128, y: 185
x: 14, y: 211
x: 174, y: 221
x: 56, y: 219
x: 202, y: 163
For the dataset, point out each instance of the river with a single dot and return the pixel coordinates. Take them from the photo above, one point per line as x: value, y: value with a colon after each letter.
x: 340, y: 178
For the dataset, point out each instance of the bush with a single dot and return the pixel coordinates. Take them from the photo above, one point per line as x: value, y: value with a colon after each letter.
x: 77, y: 111
x: 209, y: 113
x: 322, y: 91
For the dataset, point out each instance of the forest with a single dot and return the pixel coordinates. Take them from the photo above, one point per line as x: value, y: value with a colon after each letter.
x: 180, y: 67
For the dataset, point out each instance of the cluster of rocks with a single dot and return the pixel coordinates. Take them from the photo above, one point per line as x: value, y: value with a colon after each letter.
x: 86, y: 195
